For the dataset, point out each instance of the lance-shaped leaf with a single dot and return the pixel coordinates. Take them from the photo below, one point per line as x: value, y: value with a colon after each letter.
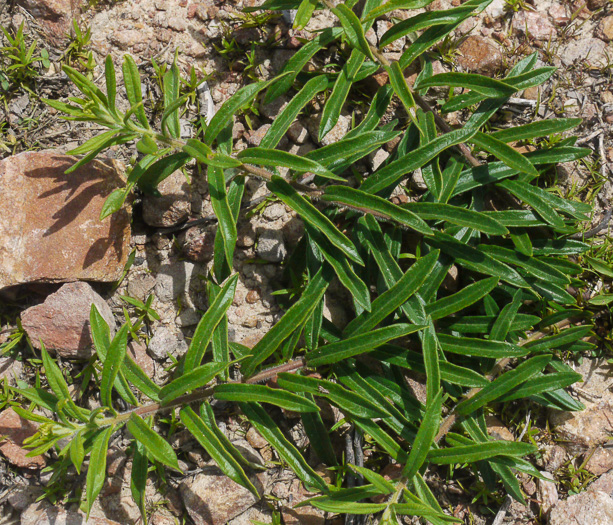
x: 131, y: 80
x: 541, y: 384
x: 271, y: 432
x: 336, y: 100
x: 425, y: 436
x: 208, y: 322
x: 423, y: 21
x: 273, y: 157
x: 401, y: 88
x: 96, y: 471
x: 485, y: 85
x: 284, y: 120
x: 474, y: 259
x: 353, y: 29
x: 112, y: 364
x: 376, y: 111
x: 455, y: 215
x: 295, y: 316
x: 366, y: 203
x: 392, y: 5
x: 504, y: 384
x: 216, y: 449
x: 462, y: 299
x: 503, y: 323
x: 479, y: 451
x: 430, y: 346
x: 138, y: 478
x: 111, y: 83
x: 313, y: 216
x: 565, y: 337
x: 530, y: 195
x: 225, y: 113
x: 533, y: 266
x: 264, y: 394
x: 221, y: 207
x: 157, y: 172
x: 501, y: 150
x: 483, y: 324
x: 393, y: 298
x: 392, y: 172
x: 334, y: 352
x: 305, y: 11
x: 342, y: 267
x: 155, y: 445
x: 480, y: 347
x: 533, y: 130
x: 196, y: 378
x: 172, y: 101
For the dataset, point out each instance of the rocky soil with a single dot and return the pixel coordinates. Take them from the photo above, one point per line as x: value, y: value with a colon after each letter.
x: 57, y: 258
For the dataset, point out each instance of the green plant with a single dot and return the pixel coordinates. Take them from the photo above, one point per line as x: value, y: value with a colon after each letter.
x: 18, y: 61
x: 495, y: 341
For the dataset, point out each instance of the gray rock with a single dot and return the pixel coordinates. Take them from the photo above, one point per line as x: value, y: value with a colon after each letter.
x: 165, y: 342
x: 339, y: 130
x: 43, y: 513
x: 11, y: 369
x: 211, y: 498
x: 547, y: 492
x: 587, y: 508
x: 173, y: 279
x: 62, y: 321
x: 535, y: 24
x: 297, y: 133
x: 188, y: 317
x: 174, y: 204
x: 592, y: 50
x: 271, y: 246
x: 496, y: 9
x: 141, y: 285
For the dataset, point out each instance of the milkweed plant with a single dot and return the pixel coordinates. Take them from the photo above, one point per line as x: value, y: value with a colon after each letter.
x: 486, y: 212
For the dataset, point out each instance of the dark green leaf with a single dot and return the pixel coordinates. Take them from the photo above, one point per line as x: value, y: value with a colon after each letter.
x: 264, y: 394
x: 96, y: 471
x: 155, y: 445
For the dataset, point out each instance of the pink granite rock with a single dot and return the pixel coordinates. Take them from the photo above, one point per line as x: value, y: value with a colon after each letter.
x: 62, y: 321
x: 54, y: 16
x: 14, y: 429
x: 50, y: 229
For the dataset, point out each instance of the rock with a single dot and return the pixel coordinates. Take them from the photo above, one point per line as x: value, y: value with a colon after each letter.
x: 54, y: 16
x: 605, y: 29
x: 592, y: 426
x: 596, y: 4
x: 377, y: 158
x: 14, y: 430
x: 165, y: 342
x: 547, y: 492
x: 50, y: 229
x: 199, y: 244
x: 480, y: 55
x: 62, y: 321
x: 587, y: 508
x: 600, y: 461
x: 496, y: 9
x: 589, y: 49
x: 497, y: 430
x: 138, y: 352
x: 140, y: 286
x: 554, y: 458
x: 297, y: 133
x: 274, y: 211
x: 255, y: 439
x: 174, y: 204
x: 173, y: 279
x: 211, y: 498
x: 43, y: 513
x: 10, y: 369
x: 535, y: 24
x: 271, y: 246
x: 21, y: 497
x: 272, y: 109
x: 254, y: 136
x: 302, y: 516
x: 251, y: 516
x: 339, y: 130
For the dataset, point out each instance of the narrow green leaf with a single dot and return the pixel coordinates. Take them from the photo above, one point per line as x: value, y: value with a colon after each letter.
x: 479, y: 451
x: 313, y: 216
x: 138, y: 478
x: 567, y: 336
x: 530, y: 195
x: 504, y: 384
x: 131, y: 80
x: 111, y: 82
x: 455, y: 215
x: 483, y: 324
x: 487, y: 86
x: 334, y: 352
x: 273, y: 157
x: 533, y: 130
x: 462, y: 299
x: 196, y: 378
x: 393, y: 298
x: 155, y: 445
x: 96, y: 472
x: 505, y: 320
x: 480, y: 347
x: 221, y: 207
x: 208, y: 322
x: 77, y: 451
x: 430, y: 350
x: 304, y: 13
x: 539, y: 385
x: 353, y: 29
x: 510, y: 156
x: 162, y: 168
x: 112, y: 364
x: 172, y: 101
x: 401, y: 88
x: 381, y: 208
x: 425, y: 436
x: 264, y: 394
